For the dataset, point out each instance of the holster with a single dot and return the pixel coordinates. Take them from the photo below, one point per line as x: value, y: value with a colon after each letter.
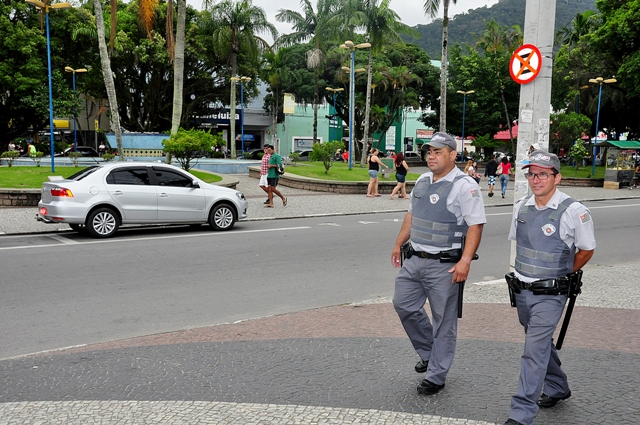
x: 406, y: 251
x: 450, y: 256
x: 513, y: 288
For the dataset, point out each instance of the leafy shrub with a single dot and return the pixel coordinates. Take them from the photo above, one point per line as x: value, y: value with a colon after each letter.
x: 10, y: 156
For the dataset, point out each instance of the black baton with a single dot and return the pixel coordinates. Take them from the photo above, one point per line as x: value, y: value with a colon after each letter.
x: 574, y: 290
x: 461, y: 284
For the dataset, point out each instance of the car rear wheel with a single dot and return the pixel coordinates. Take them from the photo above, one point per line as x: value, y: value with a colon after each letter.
x: 102, y: 223
x: 222, y: 217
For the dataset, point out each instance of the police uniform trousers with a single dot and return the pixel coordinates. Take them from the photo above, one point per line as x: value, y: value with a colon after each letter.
x: 418, y: 280
x: 540, y: 364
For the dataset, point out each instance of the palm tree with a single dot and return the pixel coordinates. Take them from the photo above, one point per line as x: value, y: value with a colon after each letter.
x: 108, y: 77
x: 178, y: 67
x: 234, y: 25
x: 381, y: 25
x: 495, y: 41
x: 431, y: 8
x: 582, y: 24
x: 276, y: 73
x: 317, y: 27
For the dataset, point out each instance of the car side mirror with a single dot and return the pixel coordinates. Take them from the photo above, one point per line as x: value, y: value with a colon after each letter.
x: 195, y: 183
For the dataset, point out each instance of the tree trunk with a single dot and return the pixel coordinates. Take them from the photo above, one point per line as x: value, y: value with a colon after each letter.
x: 443, y: 69
x: 178, y: 68
x: 367, y: 110
x: 315, y: 105
x: 108, y: 78
x: 232, y: 108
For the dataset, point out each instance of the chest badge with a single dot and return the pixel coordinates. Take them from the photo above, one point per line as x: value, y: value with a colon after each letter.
x: 548, y: 229
x: 434, y: 198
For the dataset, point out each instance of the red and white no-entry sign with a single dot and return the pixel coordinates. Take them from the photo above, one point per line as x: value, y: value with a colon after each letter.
x: 525, y: 64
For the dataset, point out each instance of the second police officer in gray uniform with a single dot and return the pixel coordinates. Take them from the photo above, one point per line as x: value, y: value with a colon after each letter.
x: 446, y: 205
x: 554, y: 238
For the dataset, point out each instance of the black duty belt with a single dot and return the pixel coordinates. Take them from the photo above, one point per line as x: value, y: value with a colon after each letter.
x: 558, y: 286
x: 427, y: 255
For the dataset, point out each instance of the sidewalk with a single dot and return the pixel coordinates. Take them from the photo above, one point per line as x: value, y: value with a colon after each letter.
x: 348, y: 364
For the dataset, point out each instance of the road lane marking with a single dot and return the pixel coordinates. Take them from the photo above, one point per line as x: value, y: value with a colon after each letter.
x: 63, y: 240
x: 149, y: 238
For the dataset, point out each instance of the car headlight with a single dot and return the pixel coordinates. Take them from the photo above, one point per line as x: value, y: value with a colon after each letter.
x: 241, y: 196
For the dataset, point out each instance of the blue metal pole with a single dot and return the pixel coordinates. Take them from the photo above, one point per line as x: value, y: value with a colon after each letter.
x: 593, y: 158
x: 464, y: 110
x: 351, y: 112
x: 51, y: 139
x: 335, y: 119
x: 242, y: 122
x: 75, y: 142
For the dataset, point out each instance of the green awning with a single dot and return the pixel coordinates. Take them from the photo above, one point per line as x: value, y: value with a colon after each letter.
x: 620, y: 144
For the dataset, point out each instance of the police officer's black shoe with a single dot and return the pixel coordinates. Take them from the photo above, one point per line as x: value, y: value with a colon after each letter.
x: 429, y: 388
x: 512, y: 422
x: 545, y: 401
x: 422, y: 366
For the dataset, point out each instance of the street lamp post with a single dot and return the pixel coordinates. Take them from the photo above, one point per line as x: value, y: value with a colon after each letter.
x: 45, y: 8
x: 464, y: 109
x: 335, y: 111
x: 242, y: 80
x: 600, y: 81
x: 352, y: 47
x: 69, y: 69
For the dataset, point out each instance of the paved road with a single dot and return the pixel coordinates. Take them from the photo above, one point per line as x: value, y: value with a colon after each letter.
x: 342, y: 364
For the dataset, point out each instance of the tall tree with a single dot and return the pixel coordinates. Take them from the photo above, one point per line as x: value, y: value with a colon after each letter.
x: 382, y: 25
x: 315, y: 26
x: 234, y: 26
x: 108, y: 77
x: 178, y: 67
x: 497, y: 41
x: 431, y: 8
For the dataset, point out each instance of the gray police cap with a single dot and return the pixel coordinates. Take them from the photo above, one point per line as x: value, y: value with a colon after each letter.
x: 440, y: 140
x: 543, y: 159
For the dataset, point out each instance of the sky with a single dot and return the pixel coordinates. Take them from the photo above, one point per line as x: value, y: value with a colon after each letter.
x: 411, y: 12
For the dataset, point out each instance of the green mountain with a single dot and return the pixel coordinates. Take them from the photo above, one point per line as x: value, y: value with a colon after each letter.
x: 466, y: 27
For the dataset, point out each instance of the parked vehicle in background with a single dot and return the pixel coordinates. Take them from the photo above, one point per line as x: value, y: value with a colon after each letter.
x: 304, y: 156
x: 86, y: 151
x: 102, y: 197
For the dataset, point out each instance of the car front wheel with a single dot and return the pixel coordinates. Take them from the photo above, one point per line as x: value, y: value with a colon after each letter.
x: 102, y: 223
x: 222, y: 217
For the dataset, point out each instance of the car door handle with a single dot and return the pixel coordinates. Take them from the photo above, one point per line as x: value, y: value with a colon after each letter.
x: 118, y: 192
x: 164, y: 195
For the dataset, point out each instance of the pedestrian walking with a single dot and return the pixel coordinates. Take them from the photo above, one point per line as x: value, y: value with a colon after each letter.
x: 264, y: 169
x: 446, y: 206
x: 490, y: 172
x: 401, y: 168
x: 504, y: 169
x: 554, y: 239
x: 274, y: 163
x: 374, y: 167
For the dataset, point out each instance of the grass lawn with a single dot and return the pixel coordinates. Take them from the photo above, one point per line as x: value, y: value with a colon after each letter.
x: 24, y: 177
x: 339, y: 171
x: 582, y: 172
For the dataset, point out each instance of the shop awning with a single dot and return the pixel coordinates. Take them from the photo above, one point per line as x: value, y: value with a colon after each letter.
x: 620, y: 144
x: 504, y: 134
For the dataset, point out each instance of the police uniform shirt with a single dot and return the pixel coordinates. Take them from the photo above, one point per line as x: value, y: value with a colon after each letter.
x: 576, y: 225
x: 464, y: 201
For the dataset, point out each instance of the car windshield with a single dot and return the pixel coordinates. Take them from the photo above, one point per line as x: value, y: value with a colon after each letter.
x: 83, y: 173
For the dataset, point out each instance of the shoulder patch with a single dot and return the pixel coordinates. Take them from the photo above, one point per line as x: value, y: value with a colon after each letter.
x: 585, y: 218
x: 475, y: 193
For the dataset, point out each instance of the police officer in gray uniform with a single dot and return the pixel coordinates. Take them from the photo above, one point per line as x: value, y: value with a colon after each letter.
x: 445, y: 206
x: 554, y: 238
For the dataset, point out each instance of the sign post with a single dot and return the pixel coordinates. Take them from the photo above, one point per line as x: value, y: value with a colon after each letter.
x: 535, y: 88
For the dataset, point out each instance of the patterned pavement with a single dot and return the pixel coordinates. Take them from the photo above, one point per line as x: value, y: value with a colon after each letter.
x: 348, y: 364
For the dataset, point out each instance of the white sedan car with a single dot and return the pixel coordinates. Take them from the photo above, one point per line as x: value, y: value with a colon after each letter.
x: 100, y: 198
